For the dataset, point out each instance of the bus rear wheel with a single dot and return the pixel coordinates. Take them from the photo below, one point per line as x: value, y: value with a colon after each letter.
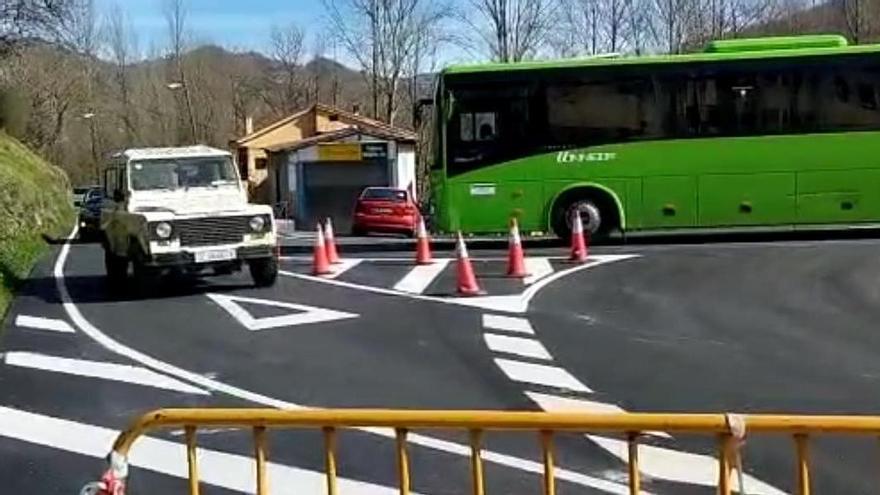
x: 590, y: 213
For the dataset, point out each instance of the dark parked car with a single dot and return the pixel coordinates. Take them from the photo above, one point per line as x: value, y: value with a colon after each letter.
x: 83, y: 193
x: 385, y: 209
x: 90, y: 214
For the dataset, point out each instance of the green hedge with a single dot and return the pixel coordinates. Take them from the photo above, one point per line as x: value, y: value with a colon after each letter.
x: 34, y: 202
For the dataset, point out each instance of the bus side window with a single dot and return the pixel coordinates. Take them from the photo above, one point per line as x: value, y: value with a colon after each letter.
x: 479, y: 126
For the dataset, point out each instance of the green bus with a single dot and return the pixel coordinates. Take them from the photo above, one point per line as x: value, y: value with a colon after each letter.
x: 752, y: 133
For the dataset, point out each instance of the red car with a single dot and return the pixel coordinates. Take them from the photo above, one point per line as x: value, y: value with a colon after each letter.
x: 385, y: 209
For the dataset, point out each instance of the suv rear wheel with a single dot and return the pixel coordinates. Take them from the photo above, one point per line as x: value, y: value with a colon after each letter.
x: 264, y: 271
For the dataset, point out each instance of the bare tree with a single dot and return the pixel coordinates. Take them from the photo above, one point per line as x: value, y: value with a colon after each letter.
x: 580, y: 32
x: 858, y: 17
x: 511, y: 30
x: 122, y: 42
x: 287, y: 84
x: 175, y: 17
x: 383, y: 37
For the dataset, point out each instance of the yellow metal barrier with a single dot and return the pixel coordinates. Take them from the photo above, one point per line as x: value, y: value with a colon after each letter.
x: 728, y: 429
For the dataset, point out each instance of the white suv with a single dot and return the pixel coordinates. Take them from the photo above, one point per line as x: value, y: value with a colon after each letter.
x: 183, y: 210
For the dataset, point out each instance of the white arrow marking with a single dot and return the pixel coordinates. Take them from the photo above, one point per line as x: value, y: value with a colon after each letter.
x: 221, y: 469
x: 96, y: 369
x: 304, y: 315
x: 40, y: 323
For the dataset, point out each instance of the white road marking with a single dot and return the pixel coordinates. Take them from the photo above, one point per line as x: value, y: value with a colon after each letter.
x: 343, y: 266
x: 537, y: 269
x: 508, y: 323
x: 540, y: 374
x: 305, y: 314
x: 520, y: 346
x: 682, y: 467
x: 518, y: 303
x: 420, y: 277
x: 136, y: 375
x: 109, y: 343
x: 553, y: 403
x: 40, y: 323
x: 220, y: 469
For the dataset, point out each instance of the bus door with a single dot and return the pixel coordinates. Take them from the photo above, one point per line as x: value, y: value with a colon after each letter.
x: 487, y: 131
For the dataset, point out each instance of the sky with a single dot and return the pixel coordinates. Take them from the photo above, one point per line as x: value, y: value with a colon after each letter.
x: 236, y: 24
x: 239, y: 25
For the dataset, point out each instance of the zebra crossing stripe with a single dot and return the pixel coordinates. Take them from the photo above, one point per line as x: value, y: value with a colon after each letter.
x: 420, y: 277
x: 40, y: 323
x: 520, y: 346
x: 507, y: 323
x: 537, y: 268
x: 136, y: 375
x: 541, y: 374
x: 221, y: 469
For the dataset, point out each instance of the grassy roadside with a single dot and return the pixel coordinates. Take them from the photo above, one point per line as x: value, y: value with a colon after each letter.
x: 34, y: 201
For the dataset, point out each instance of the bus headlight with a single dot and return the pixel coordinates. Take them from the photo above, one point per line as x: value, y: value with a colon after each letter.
x: 257, y: 224
x: 163, y: 230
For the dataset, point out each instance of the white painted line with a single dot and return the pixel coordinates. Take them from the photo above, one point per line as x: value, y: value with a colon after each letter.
x: 304, y: 314
x: 109, y: 343
x: 508, y: 323
x: 96, y: 369
x: 420, y: 277
x: 681, y: 467
x: 230, y: 471
x: 537, y: 269
x: 540, y: 374
x: 553, y: 403
x: 343, y: 266
x: 40, y: 323
x: 520, y: 346
x: 509, y: 304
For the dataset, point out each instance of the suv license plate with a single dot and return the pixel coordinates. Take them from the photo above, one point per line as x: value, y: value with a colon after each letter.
x: 215, y: 255
x: 381, y: 211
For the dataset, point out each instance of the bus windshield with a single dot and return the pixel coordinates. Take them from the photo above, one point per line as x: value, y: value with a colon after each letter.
x: 176, y: 173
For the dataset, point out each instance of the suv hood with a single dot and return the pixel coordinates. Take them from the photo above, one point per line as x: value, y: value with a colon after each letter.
x: 190, y: 201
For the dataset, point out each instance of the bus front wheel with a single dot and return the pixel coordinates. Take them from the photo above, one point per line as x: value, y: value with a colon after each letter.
x: 590, y: 214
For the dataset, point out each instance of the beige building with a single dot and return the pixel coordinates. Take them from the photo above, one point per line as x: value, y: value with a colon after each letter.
x: 315, y: 162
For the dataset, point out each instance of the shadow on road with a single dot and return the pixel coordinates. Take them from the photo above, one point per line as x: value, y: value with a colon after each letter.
x: 93, y: 289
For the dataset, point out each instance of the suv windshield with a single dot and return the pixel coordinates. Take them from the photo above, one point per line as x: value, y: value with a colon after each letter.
x: 384, y: 194
x: 178, y: 173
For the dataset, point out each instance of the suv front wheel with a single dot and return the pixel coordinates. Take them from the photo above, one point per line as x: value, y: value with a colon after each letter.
x: 116, y: 268
x: 264, y: 271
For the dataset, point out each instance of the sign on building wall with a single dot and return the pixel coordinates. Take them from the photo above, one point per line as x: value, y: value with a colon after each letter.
x: 339, y: 152
x: 352, y: 152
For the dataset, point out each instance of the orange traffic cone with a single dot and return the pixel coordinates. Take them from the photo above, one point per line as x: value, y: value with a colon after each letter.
x: 320, y: 264
x: 330, y: 243
x: 578, y: 242
x: 467, y: 282
x: 516, y: 263
x: 423, y: 245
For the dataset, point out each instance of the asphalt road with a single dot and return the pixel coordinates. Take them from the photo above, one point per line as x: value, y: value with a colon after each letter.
x: 745, y: 327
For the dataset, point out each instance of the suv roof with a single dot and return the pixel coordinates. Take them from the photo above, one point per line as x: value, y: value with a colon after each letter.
x: 180, y: 152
